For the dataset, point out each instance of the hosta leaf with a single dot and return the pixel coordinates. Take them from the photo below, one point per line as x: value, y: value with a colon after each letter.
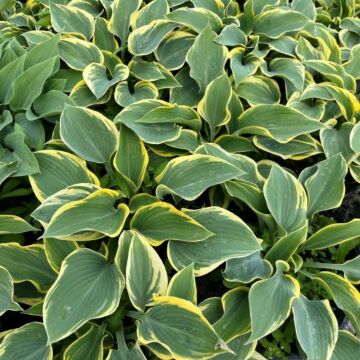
x: 96, y: 78
x: 326, y: 177
x: 169, y: 113
x: 27, y: 164
x: 271, y: 300
x: 189, y: 176
x: 46, y: 210
x: 88, y: 133
x: 259, y: 90
x: 78, y: 54
x: 236, y: 306
x: 274, y: 23
x: 7, y: 292
x: 58, y: 169
x: 299, y: 148
x: 153, y: 10
x: 70, y: 19
x: 146, y: 39
x: 204, y: 48
x: 249, y: 193
x: 28, y: 86
x: 316, y: 327
x: 142, y: 90
x: 344, y: 294
x: 155, y: 133
x: 195, y: 18
x: 287, y: 245
x: 11, y: 224
x: 289, y: 69
x: 286, y: 199
x: 232, y: 239
x: 34, y: 266
x: 212, y: 309
x: 243, y: 66
x: 101, y: 217
x: 231, y: 35
x: 131, y: 158
x: 188, y: 94
x: 247, y: 269
x: 332, y: 235
x: 145, y: 70
x: 347, y: 346
x: 88, y: 346
x: 337, y: 140
x: 306, y: 7
x: 214, y: 106
x: 146, y: 275
x: 179, y: 325
x: 103, y: 39
x: 86, y: 288
x: 8, y: 74
x: 141, y: 199
x: 276, y: 121
x: 183, y: 285
x: 27, y: 342
x: 119, y: 22
x: 162, y: 221
x: 172, y: 51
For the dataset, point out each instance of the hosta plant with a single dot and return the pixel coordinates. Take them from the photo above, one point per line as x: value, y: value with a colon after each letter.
x: 169, y: 172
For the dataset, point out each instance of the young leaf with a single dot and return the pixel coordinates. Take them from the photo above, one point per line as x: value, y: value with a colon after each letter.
x: 271, y: 300
x: 119, y: 22
x: 183, y: 285
x: 204, y: 48
x: 286, y: 199
x: 131, y: 158
x: 146, y: 275
x: 214, y: 106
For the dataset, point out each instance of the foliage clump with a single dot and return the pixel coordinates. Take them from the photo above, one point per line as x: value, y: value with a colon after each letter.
x: 169, y: 172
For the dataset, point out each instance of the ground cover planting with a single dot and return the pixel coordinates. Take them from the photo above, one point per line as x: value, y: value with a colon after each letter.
x: 179, y: 179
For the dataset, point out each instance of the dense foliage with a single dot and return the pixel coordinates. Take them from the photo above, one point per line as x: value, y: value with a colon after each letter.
x: 169, y: 173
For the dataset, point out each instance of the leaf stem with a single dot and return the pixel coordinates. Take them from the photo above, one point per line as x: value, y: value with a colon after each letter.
x: 134, y: 315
